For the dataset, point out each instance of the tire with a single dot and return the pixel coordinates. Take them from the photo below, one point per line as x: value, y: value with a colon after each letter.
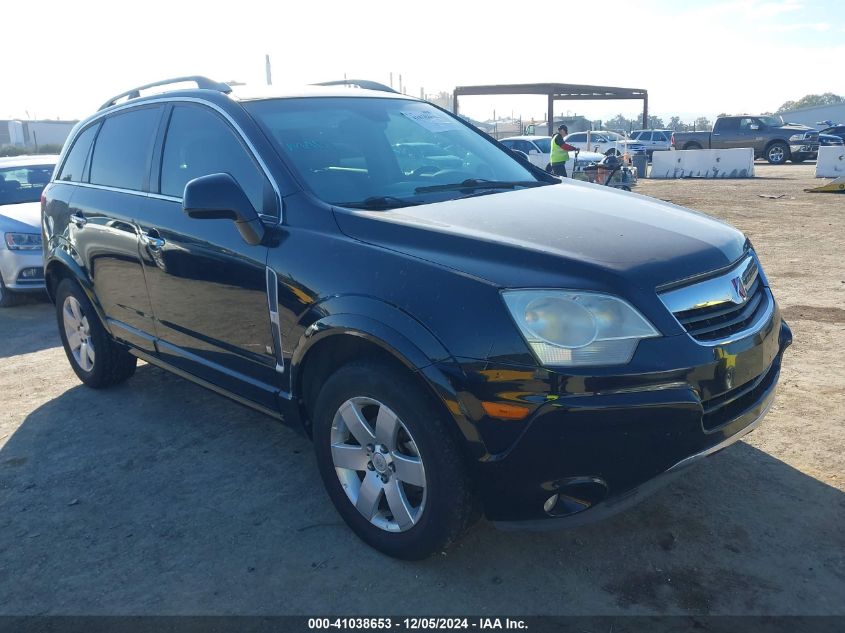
x: 431, y: 516
x: 777, y: 153
x: 97, y: 360
x: 692, y: 146
x: 8, y: 298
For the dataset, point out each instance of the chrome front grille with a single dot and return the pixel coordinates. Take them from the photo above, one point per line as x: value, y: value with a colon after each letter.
x: 724, y: 306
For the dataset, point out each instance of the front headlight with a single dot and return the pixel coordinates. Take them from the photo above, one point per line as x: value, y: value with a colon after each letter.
x: 23, y: 241
x: 573, y: 329
x: 796, y: 138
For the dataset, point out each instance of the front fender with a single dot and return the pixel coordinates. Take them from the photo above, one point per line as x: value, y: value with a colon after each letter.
x: 398, y: 334
x: 382, y: 320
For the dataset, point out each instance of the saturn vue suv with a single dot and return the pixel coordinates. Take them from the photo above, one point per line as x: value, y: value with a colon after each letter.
x: 458, y: 340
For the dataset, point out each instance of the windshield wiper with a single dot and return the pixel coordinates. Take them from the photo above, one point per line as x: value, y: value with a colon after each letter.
x: 378, y: 203
x: 480, y: 183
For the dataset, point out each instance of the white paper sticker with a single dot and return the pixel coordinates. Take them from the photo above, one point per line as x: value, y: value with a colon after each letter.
x: 433, y: 121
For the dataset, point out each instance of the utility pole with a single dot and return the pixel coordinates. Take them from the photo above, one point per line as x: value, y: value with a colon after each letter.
x: 391, y: 80
x: 267, y: 70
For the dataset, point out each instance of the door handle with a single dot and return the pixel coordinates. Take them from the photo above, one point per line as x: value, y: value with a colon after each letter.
x: 153, y: 242
x: 79, y: 220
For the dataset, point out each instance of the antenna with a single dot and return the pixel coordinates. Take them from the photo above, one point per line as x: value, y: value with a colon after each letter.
x: 267, y: 70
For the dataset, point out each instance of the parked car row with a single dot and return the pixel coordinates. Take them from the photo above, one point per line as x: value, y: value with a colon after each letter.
x: 605, y: 142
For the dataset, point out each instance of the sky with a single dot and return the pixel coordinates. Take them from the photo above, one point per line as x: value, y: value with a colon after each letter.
x: 694, y: 57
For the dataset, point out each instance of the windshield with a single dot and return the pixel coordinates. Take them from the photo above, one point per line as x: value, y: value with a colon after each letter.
x: 770, y: 121
x: 351, y: 150
x: 613, y: 136
x: 545, y: 145
x: 23, y: 184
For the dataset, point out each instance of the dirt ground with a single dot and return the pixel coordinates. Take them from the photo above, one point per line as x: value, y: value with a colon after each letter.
x: 158, y: 497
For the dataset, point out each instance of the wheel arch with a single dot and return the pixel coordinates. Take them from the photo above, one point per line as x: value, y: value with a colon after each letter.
x: 338, y: 339
x: 62, y: 266
x: 778, y: 141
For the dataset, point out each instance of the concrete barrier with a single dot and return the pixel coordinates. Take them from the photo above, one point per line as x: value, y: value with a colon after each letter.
x: 831, y: 162
x: 704, y: 163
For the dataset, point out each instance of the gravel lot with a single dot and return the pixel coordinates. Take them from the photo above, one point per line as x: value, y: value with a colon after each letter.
x: 158, y: 497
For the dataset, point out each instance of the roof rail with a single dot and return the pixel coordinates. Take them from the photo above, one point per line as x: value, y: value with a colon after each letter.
x: 203, y: 83
x: 366, y: 84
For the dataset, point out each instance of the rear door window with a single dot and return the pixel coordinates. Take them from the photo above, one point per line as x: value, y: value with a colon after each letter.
x: 123, y: 147
x: 200, y: 143
x: 78, y: 155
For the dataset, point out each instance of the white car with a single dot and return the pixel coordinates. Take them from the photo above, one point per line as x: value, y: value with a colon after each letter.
x: 654, y: 140
x: 22, y: 179
x: 604, y: 142
x: 539, y: 148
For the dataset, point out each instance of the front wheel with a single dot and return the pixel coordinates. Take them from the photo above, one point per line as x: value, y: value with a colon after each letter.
x: 7, y: 297
x: 777, y: 153
x: 96, y: 359
x: 389, y: 462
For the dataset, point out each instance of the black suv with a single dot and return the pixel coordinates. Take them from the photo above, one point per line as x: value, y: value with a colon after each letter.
x: 479, y: 337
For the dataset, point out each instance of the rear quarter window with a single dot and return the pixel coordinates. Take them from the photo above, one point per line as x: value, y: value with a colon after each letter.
x: 72, y: 170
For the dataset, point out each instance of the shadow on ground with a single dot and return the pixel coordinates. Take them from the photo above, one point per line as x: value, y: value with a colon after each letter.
x: 27, y: 322
x: 160, y: 497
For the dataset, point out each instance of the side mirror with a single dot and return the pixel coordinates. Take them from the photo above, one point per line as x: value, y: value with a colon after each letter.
x: 219, y: 197
x: 520, y: 154
x: 753, y: 126
x: 533, y: 152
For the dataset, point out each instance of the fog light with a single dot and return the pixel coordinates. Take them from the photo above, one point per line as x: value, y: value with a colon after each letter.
x: 30, y: 273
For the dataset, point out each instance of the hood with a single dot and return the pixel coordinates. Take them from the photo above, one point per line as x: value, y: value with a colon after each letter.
x: 571, y: 234
x: 21, y: 217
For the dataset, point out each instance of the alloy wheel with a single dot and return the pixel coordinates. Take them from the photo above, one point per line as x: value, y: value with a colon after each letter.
x: 378, y: 464
x: 78, y: 334
x: 776, y: 154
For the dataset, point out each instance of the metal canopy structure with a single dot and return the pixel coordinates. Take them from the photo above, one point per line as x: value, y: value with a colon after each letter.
x: 556, y: 92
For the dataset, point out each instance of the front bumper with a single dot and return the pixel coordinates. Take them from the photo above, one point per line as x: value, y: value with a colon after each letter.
x: 807, y: 151
x: 13, y: 267
x: 580, y: 457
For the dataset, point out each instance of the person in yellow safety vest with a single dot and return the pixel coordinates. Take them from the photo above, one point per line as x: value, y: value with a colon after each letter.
x: 560, y: 151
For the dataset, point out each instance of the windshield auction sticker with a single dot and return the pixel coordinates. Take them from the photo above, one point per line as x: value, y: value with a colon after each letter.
x: 432, y: 121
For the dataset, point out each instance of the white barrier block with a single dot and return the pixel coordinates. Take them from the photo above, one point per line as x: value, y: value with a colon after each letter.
x: 703, y: 163
x: 831, y: 162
